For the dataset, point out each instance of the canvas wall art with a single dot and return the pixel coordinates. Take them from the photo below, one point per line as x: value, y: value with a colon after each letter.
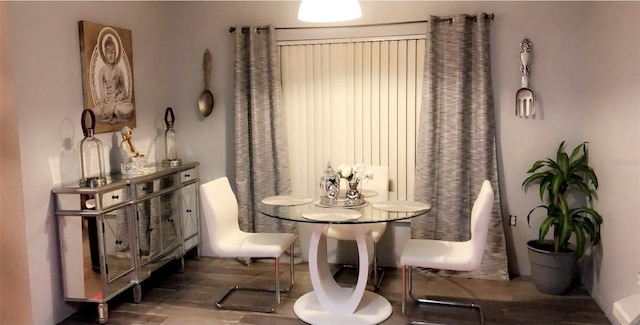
x: 107, y: 75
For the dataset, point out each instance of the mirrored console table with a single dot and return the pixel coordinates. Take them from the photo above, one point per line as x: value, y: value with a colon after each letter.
x: 112, y: 237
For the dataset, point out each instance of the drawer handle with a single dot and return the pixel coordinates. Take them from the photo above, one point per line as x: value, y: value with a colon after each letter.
x: 187, y: 175
x: 118, y: 242
x: 115, y: 197
x: 170, y: 220
x: 144, y: 188
x: 189, y: 210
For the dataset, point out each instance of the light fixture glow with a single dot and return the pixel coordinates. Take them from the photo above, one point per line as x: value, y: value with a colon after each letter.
x: 328, y: 11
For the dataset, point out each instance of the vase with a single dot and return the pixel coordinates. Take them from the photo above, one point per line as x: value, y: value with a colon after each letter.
x: 352, y: 192
x: 552, y: 272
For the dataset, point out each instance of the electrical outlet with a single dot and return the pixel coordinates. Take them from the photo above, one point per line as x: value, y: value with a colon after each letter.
x: 512, y: 221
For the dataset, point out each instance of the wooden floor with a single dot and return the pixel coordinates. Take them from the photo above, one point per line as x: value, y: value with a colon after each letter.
x: 172, y: 298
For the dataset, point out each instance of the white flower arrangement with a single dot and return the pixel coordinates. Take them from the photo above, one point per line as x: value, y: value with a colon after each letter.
x: 356, y: 172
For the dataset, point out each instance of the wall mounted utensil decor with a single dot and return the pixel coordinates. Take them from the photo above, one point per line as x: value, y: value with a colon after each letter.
x: 205, y: 101
x: 107, y: 75
x: 525, y: 98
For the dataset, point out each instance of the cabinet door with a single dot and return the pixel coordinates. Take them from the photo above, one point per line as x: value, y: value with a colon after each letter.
x: 171, y: 236
x: 158, y: 223
x: 190, y: 216
x: 97, y: 260
x: 147, y: 223
x: 118, y: 250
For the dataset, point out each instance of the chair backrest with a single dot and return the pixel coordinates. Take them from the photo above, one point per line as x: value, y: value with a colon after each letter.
x: 380, y: 180
x: 220, y: 211
x: 380, y: 184
x: 480, y: 220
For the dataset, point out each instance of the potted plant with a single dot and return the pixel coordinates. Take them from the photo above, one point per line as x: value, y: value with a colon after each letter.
x: 567, y: 185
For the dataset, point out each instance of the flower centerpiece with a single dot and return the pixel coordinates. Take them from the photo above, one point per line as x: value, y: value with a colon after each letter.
x: 354, y: 174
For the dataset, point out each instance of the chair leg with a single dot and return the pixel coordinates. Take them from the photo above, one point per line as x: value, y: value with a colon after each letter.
x: 269, y: 309
x: 377, y: 280
x: 407, y: 289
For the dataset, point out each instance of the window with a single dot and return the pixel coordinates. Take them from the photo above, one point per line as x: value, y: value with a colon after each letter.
x: 351, y: 101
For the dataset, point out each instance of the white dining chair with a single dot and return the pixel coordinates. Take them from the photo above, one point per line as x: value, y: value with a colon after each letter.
x: 380, y: 184
x: 226, y: 239
x: 449, y: 255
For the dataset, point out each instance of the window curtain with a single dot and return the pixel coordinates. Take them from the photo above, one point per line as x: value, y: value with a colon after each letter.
x: 261, y: 157
x: 456, y: 146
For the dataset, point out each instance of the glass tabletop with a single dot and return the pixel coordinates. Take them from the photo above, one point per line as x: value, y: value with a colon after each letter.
x: 382, y: 207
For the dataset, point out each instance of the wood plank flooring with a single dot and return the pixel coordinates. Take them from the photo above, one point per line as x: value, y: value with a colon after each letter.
x: 172, y: 298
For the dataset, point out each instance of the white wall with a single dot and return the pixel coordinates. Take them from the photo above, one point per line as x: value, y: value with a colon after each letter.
x: 612, y: 125
x: 169, y: 39
x: 48, y: 98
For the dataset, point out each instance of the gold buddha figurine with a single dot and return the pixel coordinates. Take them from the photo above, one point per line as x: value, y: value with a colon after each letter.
x: 132, y: 161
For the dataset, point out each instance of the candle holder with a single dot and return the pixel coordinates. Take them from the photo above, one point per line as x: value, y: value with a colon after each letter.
x: 170, y: 145
x: 91, y: 153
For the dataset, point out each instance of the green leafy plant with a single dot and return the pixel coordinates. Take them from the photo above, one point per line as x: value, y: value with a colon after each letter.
x: 556, y: 179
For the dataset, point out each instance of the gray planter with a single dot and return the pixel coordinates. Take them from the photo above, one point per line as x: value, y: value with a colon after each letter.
x: 552, y: 272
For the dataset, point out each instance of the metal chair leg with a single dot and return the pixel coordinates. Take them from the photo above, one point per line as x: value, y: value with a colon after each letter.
x: 428, y: 301
x: 378, y: 272
x: 377, y: 280
x: 270, y: 309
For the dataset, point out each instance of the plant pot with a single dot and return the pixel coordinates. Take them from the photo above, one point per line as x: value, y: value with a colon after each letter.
x: 552, y: 272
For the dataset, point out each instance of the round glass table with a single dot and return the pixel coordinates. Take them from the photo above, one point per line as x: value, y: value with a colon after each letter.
x: 330, y: 303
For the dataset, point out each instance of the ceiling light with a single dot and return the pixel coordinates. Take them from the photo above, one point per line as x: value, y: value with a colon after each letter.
x: 327, y: 11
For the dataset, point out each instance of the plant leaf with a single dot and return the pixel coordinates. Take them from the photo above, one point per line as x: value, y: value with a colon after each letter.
x: 530, y: 212
x: 580, y: 240
x: 564, y: 223
x: 563, y: 163
x: 575, y: 152
x: 544, y: 227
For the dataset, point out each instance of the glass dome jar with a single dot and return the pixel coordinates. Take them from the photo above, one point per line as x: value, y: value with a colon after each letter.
x: 330, y: 185
x: 91, y: 153
x: 170, y: 143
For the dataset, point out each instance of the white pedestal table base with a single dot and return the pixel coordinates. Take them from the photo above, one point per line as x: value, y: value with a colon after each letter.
x: 330, y: 303
x: 373, y: 309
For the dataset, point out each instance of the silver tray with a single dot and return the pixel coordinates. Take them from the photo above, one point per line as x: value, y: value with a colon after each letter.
x: 342, y: 202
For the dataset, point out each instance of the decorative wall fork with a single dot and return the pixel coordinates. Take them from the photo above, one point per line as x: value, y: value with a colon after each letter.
x: 525, y: 98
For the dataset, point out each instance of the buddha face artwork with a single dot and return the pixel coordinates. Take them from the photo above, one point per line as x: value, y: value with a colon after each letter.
x: 107, y: 75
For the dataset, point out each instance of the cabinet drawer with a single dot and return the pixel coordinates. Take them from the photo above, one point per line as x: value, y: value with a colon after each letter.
x: 188, y: 175
x: 113, y: 198
x: 147, y: 188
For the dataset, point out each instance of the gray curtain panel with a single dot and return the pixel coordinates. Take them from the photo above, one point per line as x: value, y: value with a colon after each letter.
x: 456, y: 147
x: 261, y: 157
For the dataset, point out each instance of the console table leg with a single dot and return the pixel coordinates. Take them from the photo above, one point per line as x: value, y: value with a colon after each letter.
x: 103, y: 313
x: 181, y: 266
x: 137, y: 293
x: 196, y: 253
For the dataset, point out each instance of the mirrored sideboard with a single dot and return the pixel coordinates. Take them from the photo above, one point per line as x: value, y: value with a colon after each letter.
x: 112, y: 237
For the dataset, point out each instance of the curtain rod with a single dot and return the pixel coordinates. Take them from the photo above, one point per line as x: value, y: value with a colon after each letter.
x: 448, y: 19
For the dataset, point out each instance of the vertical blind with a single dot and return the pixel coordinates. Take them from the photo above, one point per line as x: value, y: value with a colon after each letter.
x: 352, y: 101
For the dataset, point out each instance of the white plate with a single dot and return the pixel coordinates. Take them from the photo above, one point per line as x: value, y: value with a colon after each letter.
x: 368, y: 193
x: 286, y: 200
x: 331, y: 214
x: 401, y: 206
x: 365, y: 193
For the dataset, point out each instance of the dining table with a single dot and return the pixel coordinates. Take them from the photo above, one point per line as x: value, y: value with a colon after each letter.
x: 329, y: 302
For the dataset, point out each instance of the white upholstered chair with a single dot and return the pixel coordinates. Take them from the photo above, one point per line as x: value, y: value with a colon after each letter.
x: 220, y: 211
x: 449, y: 255
x: 380, y: 184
